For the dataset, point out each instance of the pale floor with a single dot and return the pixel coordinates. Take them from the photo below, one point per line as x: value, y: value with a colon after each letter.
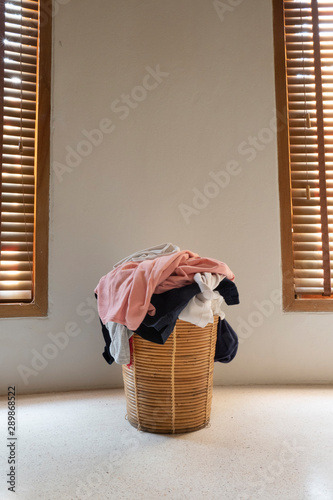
x: 262, y: 443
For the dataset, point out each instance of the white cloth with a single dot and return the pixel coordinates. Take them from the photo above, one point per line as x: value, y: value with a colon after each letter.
x: 150, y: 253
x: 119, y: 347
x: 201, y: 309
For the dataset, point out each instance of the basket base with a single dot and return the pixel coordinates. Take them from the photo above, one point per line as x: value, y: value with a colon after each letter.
x: 180, y: 430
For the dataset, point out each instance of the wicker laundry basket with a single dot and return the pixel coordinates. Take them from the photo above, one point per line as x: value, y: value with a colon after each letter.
x: 169, y: 387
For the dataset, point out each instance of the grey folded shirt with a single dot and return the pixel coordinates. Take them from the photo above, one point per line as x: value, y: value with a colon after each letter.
x: 150, y: 253
x: 119, y: 347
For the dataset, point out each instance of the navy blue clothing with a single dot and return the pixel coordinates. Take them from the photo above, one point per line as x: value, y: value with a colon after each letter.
x: 107, y: 339
x: 229, y: 292
x: 226, y: 342
x: 106, y: 354
x: 170, y: 304
x: 168, y: 307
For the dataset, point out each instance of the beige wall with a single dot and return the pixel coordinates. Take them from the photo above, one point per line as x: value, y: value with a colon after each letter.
x: 129, y: 189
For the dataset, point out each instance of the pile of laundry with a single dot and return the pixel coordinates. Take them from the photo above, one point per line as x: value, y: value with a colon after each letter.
x: 146, y: 292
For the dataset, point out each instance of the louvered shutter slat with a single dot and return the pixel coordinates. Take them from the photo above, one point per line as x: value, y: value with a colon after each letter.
x: 309, y: 63
x: 19, y: 115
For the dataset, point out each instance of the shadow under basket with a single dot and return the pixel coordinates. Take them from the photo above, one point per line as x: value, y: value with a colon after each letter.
x: 169, y: 387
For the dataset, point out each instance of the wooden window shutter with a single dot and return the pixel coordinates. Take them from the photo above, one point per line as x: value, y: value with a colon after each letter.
x: 24, y: 107
x: 304, y: 87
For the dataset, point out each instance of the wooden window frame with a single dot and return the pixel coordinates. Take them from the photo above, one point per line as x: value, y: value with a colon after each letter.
x: 290, y: 301
x: 38, y: 307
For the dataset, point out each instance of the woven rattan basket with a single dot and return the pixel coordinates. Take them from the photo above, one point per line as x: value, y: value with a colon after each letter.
x: 169, y: 387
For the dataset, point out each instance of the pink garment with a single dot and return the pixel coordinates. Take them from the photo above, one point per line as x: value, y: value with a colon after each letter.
x: 123, y: 295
